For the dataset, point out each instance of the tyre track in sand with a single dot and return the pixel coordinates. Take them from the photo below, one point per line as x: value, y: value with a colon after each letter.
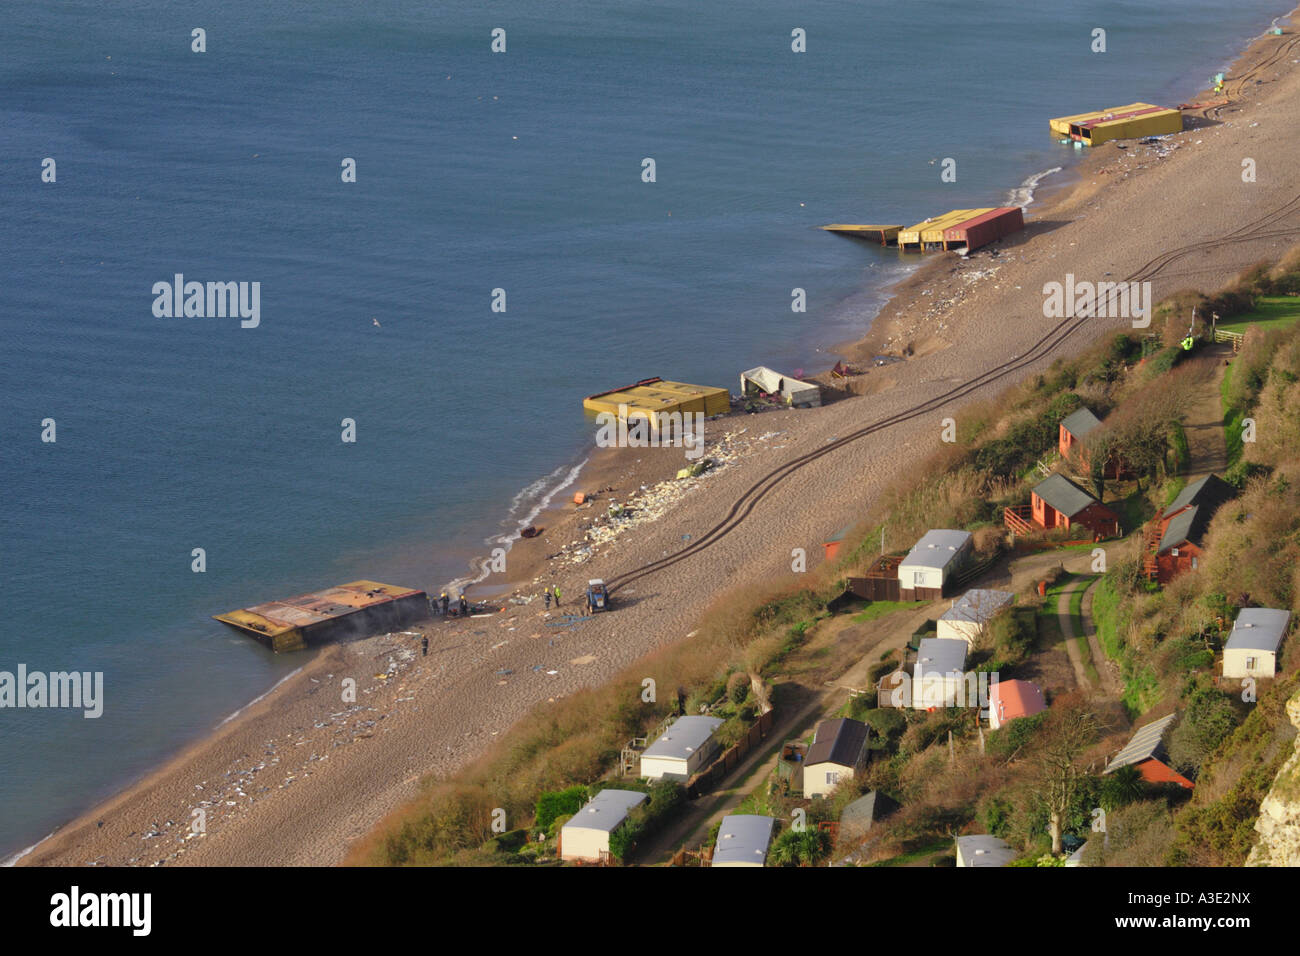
x: 1257, y: 229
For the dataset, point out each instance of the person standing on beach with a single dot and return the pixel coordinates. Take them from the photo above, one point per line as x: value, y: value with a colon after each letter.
x: 446, y: 603
x: 424, y: 646
x: 547, y: 596
x: 464, y: 606
x: 557, y: 595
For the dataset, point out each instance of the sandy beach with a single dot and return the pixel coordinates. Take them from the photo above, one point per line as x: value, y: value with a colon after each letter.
x: 301, y: 773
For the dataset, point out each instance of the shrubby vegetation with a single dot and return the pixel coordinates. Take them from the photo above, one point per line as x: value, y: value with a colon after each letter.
x: 1031, y: 772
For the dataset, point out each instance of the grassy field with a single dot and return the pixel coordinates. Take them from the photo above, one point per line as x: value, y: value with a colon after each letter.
x: 1275, y: 310
x: 878, y: 609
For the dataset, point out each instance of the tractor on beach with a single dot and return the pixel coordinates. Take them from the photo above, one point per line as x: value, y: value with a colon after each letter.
x: 597, y: 596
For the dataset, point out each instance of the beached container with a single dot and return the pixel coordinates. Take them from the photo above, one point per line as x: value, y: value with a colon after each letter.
x: 886, y: 235
x: 358, y: 609
x: 1061, y: 125
x: 932, y: 235
x: 1134, y: 124
x: 983, y: 229
x: 651, y: 398
x: 930, y: 231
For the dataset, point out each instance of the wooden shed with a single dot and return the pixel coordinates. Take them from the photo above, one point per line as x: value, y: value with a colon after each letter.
x: 1057, y: 502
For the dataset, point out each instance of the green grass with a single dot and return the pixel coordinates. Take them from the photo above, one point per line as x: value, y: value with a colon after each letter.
x: 1081, y: 639
x: 1232, y: 419
x: 878, y: 609
x: 1279, y: 311
x: 1105, y: 608
x: 920, y: 853
x: 1133, y: 510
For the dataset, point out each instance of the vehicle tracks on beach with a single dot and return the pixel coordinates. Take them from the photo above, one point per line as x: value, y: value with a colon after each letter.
x: 1257, y: 229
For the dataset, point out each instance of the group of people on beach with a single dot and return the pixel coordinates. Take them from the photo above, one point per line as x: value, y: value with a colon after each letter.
x: 442, y: 603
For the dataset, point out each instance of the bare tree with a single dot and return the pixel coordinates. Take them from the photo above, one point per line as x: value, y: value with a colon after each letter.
x: 1062, y: 741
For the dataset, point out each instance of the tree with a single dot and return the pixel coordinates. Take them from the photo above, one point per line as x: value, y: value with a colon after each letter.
x: 1208, y: 718
x: 799, y: 847
x: 1121, y: 788
x: 1064, y: 736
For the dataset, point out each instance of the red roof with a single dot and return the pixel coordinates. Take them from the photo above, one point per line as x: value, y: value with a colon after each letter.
x: 1010, y: 699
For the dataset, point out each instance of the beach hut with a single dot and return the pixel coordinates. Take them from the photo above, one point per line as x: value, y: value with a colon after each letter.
x: 1011, y: 699
x: 743, y: 840
x: 971, y: 613
x: 1072, y: 439
x: 838, y: 751
x: 1057, y: 502
x: 1146, y: 751
x: 684, y: 748
x: 939, y: 675
x: 1074, y: 429
x: 586, y: 835
x: 1183, y: 526
x: 983, y: 849
x: 1252, y: 648
x: 924, y: 574
x: 831, y: 545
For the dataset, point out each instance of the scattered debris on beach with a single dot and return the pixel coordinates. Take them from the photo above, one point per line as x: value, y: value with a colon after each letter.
x: 650, y: 503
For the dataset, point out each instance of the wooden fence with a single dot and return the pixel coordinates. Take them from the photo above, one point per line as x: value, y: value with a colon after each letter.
x: 704, y: 781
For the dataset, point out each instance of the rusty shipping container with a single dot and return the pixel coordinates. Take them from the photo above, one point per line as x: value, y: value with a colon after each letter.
x: 983, y: 229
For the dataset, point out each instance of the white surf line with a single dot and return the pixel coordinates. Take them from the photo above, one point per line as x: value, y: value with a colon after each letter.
x: 508, y: 539
x: 1023, y: 195
x: 11, y: 860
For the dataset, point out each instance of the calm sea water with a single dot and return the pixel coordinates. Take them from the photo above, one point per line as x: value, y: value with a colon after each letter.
x: 475, y: 171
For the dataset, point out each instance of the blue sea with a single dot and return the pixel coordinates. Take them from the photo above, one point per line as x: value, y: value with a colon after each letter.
x: 475, y: 171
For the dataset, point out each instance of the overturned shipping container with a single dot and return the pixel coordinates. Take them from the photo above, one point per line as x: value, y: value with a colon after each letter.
x: 983, y: 229
x: 358, y: 609
x: 1134, y: 124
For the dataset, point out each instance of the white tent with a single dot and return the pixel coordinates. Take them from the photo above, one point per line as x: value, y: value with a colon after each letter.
x: 796, y: 393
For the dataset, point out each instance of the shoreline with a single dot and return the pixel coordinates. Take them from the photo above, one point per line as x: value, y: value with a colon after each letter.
x: 896, y: 323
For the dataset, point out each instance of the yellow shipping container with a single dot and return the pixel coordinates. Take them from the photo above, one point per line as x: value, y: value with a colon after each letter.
x: 931, y: 230
x: 884, y: 234
x: 1061, y: 125
x: 652, y: 397
x: 1152, y: 122
x: 934, y: 231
